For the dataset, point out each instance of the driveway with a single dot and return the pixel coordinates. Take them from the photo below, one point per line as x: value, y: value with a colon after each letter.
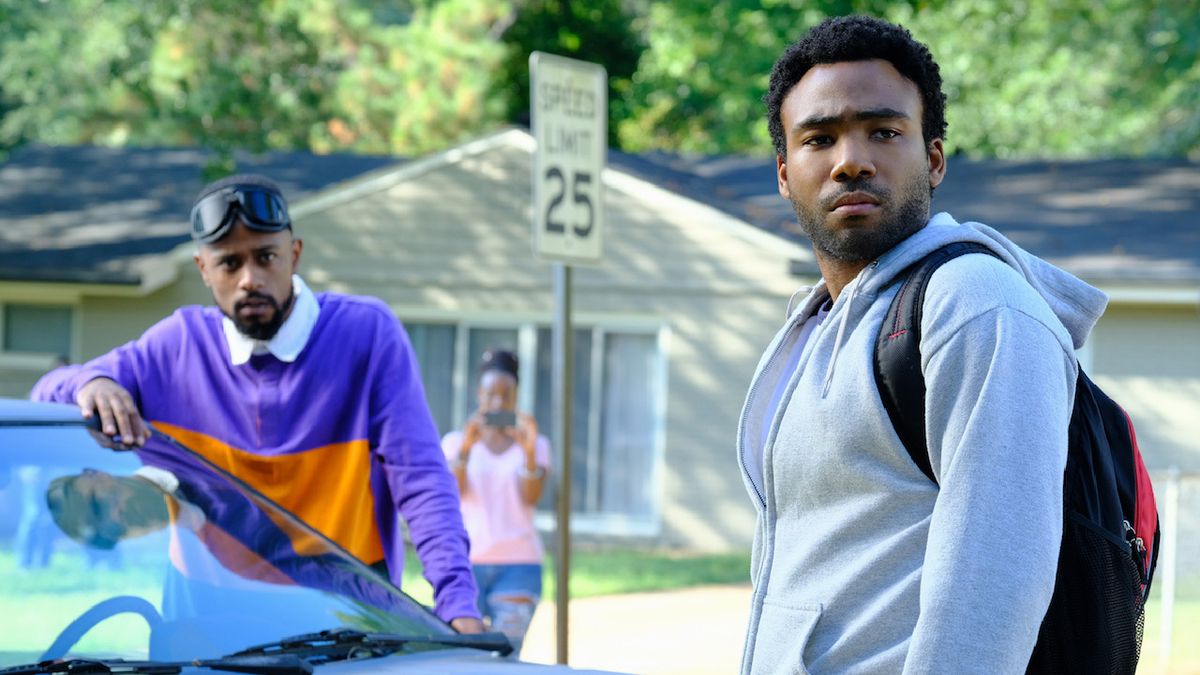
x: 696, y: 631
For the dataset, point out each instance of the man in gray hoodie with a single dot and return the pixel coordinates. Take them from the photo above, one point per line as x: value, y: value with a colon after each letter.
x: 861, y: 564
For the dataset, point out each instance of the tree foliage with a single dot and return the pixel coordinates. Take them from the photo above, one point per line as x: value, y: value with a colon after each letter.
x: 1070, y: 78
x: 1024, y: 78
x: 317, y: 74
x: 599, y: 31
x: 699, y: 86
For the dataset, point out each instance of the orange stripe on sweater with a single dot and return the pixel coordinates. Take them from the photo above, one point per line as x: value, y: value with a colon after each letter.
x: 327, y: 487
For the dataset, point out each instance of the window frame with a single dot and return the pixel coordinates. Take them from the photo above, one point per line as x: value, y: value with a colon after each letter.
x: 32, y: 360
x: 526, y: 324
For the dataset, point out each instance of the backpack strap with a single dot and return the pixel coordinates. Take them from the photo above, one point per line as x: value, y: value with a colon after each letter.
x: 898, y: 373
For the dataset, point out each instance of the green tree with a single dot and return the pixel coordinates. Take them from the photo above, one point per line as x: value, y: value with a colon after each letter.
x: 287, y: 74
x: 1072, y: 78
x: 1024, y: 78
x: 419, y: 86
x: 599, y: 31
x: 699, y: 86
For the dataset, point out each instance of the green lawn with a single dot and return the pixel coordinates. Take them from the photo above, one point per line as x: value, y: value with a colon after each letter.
x: 1185, y: 648
x: 621, y: 571
x: 33, y: 613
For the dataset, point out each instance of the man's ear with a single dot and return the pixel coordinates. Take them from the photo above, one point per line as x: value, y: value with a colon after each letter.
x: 202, y: 265
x: 781, y: 174
x: 937, y: 162
x: 297, y: 247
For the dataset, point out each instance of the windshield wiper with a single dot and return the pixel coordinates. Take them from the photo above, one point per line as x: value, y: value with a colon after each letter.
x: 279, y: 664
x: 344, y: 643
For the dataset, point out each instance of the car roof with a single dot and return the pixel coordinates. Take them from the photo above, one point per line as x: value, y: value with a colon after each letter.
x: 18, y: 410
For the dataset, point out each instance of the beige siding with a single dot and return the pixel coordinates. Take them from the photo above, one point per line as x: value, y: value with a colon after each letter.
x: 1148, y: 360
x: 453, y: 243
x: 713, y: 355
x: 456, y: 241
x: 16, y: 381
x: 106, y: 323
x: 458, y: 238
x: 102, y: 323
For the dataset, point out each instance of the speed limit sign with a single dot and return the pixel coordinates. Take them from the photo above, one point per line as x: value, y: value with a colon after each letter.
x: 569, y: 115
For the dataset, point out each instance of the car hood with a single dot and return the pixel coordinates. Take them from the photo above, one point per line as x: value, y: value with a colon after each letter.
x: 448, y: 662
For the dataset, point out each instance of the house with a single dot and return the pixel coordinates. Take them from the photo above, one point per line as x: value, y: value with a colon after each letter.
x: 698, y: 268
x: 93, y: 244
x: 1128, y: 227
x: 668, y: 329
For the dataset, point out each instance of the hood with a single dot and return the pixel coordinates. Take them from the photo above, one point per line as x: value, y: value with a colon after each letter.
x: 448, y: 662
x: 1077, y: 304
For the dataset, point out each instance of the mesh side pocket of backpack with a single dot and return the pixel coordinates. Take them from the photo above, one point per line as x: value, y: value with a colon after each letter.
x: 1096, y: 617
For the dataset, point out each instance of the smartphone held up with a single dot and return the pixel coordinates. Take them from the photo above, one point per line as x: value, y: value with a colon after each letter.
x: 500, y: 418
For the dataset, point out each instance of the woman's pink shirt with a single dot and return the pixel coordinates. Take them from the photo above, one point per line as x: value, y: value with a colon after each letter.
x: 499, y: 523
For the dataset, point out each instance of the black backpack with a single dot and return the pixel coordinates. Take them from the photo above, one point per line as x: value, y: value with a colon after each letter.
x: 1110, y: 523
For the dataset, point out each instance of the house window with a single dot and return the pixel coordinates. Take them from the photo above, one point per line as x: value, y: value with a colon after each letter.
x: 585, y: 471
x: 39, y: 329
x: 434, y: 346
x: 480, y: 339
x: 618, y: 411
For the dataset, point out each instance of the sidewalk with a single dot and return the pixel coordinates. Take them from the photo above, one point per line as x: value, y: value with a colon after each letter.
x: 696, y: 631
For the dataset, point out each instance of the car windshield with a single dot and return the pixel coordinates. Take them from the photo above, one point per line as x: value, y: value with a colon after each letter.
x: 155, y: 553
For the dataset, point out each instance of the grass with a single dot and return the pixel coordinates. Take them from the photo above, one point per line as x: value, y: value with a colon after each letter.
x: 1185, y: 648
x: 613, y: 572
x: 616, y: 571
x: 621, y: 571
x: 34, y: 613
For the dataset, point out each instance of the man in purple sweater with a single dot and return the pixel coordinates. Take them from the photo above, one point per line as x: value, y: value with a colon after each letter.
x: 314, y: 399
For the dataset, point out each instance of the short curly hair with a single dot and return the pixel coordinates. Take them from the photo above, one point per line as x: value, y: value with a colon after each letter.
x: 858, y: 38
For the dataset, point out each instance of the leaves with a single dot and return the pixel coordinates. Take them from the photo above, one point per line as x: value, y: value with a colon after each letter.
x: 1024, y: 78
x: 599, y: 31
x: 1029, y: 79
x: 699, y: 87
x: 1070, y: 79
x: 224, y: 74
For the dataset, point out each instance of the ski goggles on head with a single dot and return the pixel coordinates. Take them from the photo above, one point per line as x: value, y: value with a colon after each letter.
x: 260, y: 209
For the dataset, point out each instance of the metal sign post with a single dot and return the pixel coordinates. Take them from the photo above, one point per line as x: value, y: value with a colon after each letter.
x: 569, y: 115
x: 563, y: 376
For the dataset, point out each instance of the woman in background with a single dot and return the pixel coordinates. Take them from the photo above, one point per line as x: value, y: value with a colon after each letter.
x: 500, y: 462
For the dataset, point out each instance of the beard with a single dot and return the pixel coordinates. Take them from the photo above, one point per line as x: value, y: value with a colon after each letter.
x: 901, y: 216
x: 258, y: 328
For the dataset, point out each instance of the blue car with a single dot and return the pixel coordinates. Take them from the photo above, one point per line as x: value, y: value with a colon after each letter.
x: 153, y: 560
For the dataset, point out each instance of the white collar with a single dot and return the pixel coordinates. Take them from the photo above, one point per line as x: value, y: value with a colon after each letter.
x: 291, y: 338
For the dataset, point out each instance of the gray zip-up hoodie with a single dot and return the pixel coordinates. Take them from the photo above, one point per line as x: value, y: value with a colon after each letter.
x: 861, y: 564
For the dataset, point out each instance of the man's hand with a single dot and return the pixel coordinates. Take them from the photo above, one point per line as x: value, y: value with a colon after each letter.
x: 467, y: 624
x: 117, y: 411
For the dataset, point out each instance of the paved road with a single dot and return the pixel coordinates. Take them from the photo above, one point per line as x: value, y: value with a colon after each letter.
x: 696, y: 631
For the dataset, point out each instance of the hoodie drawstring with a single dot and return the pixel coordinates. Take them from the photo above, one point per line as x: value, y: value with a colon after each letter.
x: 837, y: 341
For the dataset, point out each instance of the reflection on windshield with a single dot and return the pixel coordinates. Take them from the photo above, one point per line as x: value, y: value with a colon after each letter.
x: 157, y: 554
x: 99, y: 510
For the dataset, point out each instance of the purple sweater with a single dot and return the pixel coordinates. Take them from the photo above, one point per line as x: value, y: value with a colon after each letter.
x: 348, y: 414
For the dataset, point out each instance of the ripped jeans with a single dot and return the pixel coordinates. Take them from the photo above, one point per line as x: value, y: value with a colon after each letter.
x: 508, y: 594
